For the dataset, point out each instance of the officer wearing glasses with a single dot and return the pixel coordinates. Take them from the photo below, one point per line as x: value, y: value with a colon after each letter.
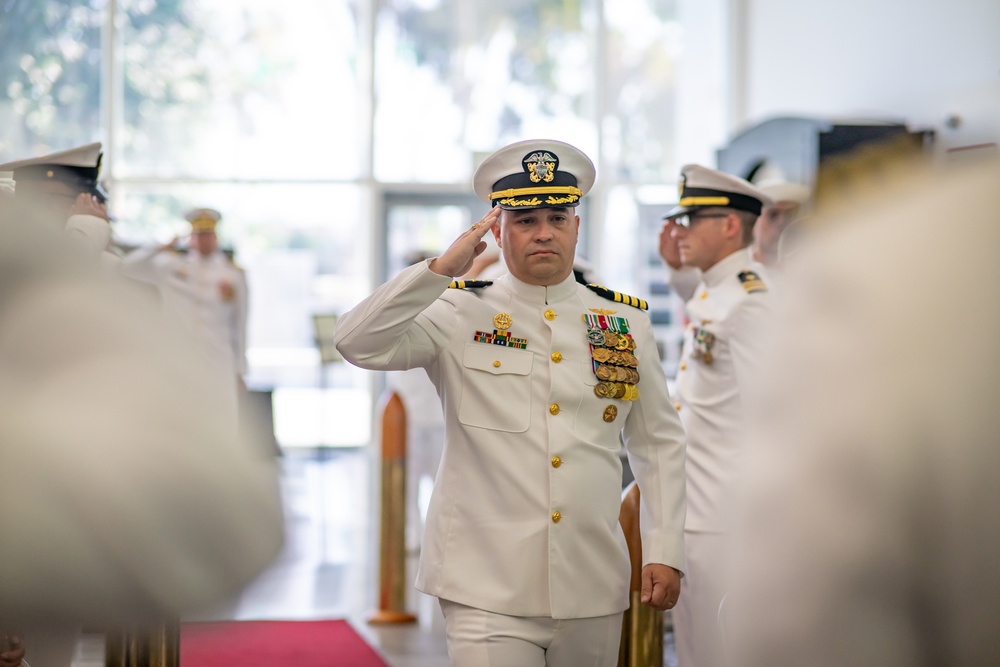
x: 712, y: 232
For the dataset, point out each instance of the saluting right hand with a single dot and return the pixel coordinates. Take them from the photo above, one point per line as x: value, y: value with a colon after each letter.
x: 169, y: 245
x: 458, y: 258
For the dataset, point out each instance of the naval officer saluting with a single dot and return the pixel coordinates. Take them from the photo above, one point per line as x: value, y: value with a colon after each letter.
x: 541, y: 379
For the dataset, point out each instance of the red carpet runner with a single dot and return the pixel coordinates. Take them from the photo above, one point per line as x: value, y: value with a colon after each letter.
x: 275, y: 644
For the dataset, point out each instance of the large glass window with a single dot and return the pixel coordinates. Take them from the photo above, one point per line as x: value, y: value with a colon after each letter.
x: 50, y: 73
x: 227, y: 90
x: 639, y: 122
x: 455, y: 77
x: 320, y: 126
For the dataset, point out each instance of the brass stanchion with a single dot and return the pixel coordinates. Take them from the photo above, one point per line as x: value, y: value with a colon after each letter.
x: 392, y: 532
x: 642, y: 626
x: 157, y: 646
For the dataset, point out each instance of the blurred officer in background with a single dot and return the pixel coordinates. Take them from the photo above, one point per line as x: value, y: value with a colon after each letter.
x: 126, y: 495
x: 206, y: 294
x: 719, y: 366
x: 788, y: 204
x: 873, y: 535
x: 62, y: 190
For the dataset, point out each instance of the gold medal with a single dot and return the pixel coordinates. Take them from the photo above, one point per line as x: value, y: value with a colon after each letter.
x: 610, y: 338
x: 604, y: 372
x: 622, y: 342
x: 502, y: 321
x: 601, y: 354
x: 707, y: 358
x: 619, y: 390
x: 610, y: 413
x: 602, y: 390
x: 631, y: 344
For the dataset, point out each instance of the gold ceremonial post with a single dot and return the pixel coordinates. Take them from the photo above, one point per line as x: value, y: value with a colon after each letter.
x: 392, y: 532
x: 158, y: 646
x: 642, y: 626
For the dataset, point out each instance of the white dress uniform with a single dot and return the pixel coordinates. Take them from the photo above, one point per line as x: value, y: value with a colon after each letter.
x: 207, y: 296
x: 524, y: 516
x: 717, y: 378
x: 717, y: 372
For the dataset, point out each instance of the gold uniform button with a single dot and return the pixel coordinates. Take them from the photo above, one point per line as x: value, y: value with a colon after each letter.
x: 550, y: 315
x: 556, y: 357
x: 556, y: 461
x: 704, y: 295
x: 496, y: 364
x: 556, y: 516
x: 677, y: 406
x: 683, y: 366
x: 554, y: 408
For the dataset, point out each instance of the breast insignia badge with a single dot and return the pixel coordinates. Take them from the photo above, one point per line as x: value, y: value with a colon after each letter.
x: 500, y: 335
x: 502, y: 321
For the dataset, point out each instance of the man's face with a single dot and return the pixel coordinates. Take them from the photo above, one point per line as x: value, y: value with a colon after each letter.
x: 701, y: 240
x: 538, y: 244
x: 49, y: 200
x: 204, y: 243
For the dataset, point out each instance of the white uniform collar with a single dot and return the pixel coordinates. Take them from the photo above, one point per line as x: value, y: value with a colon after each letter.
x: 540, y: 294
x: 195, y: 256
x: 727, y: 267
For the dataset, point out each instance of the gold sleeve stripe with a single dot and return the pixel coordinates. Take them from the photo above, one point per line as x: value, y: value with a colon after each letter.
x: 547, y: 190
x: 470, y: 284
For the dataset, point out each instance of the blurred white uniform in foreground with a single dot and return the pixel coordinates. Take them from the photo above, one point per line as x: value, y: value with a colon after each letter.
x: 874, y: 530
x: 124, y: 494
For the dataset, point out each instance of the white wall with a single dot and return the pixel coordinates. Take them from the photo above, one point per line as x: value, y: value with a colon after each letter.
x: 915, y: 60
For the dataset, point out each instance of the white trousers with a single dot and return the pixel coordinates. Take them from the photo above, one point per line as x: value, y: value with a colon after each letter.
x: 697, y: 633
x: 478, y: 638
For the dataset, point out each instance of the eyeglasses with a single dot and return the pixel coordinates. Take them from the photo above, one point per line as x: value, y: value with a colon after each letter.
x: 688, y: 219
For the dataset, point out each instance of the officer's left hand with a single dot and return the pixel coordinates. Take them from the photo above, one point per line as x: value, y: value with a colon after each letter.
x: 661, y: 586
x: 14, y: 653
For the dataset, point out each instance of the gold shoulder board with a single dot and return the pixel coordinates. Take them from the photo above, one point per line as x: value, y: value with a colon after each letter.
x: 618, y: 297
x: 751, y: 282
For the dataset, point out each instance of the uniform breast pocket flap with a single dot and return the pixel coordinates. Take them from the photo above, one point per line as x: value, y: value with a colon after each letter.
x: 496, y: 388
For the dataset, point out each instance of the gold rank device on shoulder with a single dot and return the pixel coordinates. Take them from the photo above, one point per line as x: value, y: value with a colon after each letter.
x: 618, y: 297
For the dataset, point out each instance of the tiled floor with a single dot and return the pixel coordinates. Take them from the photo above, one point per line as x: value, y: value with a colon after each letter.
x: 328, y: 567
